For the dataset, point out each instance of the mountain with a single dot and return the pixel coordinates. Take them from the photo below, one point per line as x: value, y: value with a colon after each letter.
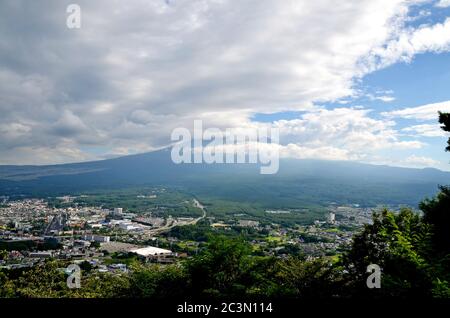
x: 297, y: 182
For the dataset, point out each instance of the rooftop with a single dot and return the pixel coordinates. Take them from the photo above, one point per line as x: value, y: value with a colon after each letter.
x: 150, y: 250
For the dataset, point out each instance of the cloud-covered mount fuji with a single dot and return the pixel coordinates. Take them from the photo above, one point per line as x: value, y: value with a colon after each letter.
x: 297, y: 182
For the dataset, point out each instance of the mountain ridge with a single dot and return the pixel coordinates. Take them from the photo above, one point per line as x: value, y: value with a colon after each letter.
x: 302, y: 179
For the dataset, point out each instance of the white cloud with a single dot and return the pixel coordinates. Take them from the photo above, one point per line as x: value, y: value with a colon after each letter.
x: 407, y: 43
x: 41, y: 155
x: 385, y: 98
x: 420, y: 161
x: 425, y: 130
x: 337, y: 134
x: 414, y: 161
x: 321, y: 152
x: 443, y: 4
x: 424, y: 112
x: 347, y: 133
x: 138, y: 69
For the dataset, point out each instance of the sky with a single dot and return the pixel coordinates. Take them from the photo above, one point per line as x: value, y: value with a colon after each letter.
x: 357, y: 80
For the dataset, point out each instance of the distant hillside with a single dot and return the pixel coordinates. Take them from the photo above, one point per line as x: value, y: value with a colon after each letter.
x: 298, y: 181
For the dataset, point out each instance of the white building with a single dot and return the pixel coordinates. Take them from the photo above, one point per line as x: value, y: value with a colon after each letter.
x: 128, y: 226
x: 332, y: 218
x: 118, y: 211
x: 150, y: 251
x: 97, y: 238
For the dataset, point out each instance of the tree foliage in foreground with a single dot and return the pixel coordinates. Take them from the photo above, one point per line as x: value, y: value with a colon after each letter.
x: 444, y: 119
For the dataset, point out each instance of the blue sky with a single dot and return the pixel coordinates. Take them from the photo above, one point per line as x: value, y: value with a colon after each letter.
x: 361, y: 81
x: 424, y: 80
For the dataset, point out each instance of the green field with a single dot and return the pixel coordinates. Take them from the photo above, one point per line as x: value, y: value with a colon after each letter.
x: 177, y: 202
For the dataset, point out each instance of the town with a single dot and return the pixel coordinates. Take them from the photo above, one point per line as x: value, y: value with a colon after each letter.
x: 108, y: 240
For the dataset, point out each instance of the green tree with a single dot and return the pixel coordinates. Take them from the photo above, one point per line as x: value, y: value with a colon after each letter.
x: 444, y: 119
x: 413, y: 251
x: 221, y: 268
x: 101, y: 286
x: 45, y: 281
x: 86, y: 266
x: 3, y: 255
x: 50, y: 281
x: 398, y: 243
x: 7, y: 288
x: 437, y: 215
x: 95, y: 244
x: 160, y: 282
x: 317, y: 278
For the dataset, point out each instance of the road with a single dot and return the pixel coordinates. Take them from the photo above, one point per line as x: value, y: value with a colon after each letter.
x: 197, y: 204
x: 166, y: 228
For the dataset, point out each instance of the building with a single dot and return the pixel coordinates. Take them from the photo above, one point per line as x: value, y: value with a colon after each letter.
x: 332, y: 218
x: 40, y: 255
x: 151, y: 251
x: 97, y: 238
x: 128, y: 226
x: 248, y: 223
x: 118, y: 211
x: 155, y: 254
x: 220, y: 225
